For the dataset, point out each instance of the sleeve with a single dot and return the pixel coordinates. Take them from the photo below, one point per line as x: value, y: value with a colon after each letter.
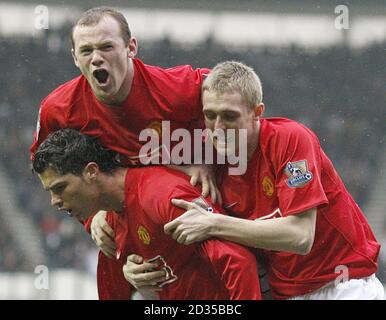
x: 47, y: 122
x: 234, y: 264
x: 298, y: 169
x: 196, y: 101
x: 186, y: 104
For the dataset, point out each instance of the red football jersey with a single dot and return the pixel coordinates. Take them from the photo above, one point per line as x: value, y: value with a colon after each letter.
x: 111, y: 282
x: 209, y: 270
x: 289, y: 174
x: 156, y: 94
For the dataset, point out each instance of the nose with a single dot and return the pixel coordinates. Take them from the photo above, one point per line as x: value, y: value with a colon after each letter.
x: 219, y: 124
x: 97, y: 59
x: 56, y: 201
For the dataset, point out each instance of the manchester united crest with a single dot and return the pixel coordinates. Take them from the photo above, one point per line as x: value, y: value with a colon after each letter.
x: 268, y: 186
x: 143, y: 235
x: 156, y: 126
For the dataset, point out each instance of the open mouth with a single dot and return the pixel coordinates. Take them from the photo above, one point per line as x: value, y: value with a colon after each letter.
x: 66, y: 211
x: 101, y: 75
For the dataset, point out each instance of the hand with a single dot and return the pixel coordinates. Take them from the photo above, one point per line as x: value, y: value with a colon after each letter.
x: 194, y: 225
x: 103, y: 234
x: 204, y: 174
x: 141, y: 275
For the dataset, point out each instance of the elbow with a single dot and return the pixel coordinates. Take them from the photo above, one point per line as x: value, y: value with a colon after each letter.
x: 304, y: 244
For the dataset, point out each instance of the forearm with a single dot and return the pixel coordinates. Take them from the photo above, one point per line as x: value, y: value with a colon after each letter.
x: 280, y: 234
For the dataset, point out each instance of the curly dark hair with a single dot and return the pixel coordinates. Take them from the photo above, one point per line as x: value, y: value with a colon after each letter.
x: 69, y: 151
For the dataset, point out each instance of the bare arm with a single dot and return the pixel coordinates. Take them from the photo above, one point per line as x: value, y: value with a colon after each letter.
x: 290, y: 234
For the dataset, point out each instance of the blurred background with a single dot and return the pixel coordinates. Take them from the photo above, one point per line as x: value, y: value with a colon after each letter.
x: 322, y: 63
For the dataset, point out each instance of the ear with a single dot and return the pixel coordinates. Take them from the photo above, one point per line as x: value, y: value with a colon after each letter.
x: 132, y: 48
x: 91, y: 172
x: 74, y: 57
x: 259, y: 110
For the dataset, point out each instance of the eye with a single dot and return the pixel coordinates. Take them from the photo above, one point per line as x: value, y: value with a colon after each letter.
x: 230, y: 116
x: 58, y: 189
x: 107, y: 47
x: 85, y: 52
x: 209, y: 115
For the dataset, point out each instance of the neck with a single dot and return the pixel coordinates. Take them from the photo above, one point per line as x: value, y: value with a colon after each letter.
x: 125, y: 89
x: 253, y: 141
x: 112, y: 196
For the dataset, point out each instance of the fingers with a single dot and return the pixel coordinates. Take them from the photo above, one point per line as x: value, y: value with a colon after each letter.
x: 194, y: 180
x: 104, y: 239
x: 102, y: 234
x: 107, y: 229
x: 104, y: 242
x: 134, y: 258
x: 205, y: 186
x: 219, y: 197
x: 181, y: 238
x: 213, y: 191
x: 183, y: 204
x: 179, y: 235
x: 137, y: 268
x: 170, y: 226
x: 107, y: 248
x: 143, y: 275
x: 108, y: 253
x: 189, y: 206
x: 150, y: 278
x: 153, y: 288
x: 185, y: 238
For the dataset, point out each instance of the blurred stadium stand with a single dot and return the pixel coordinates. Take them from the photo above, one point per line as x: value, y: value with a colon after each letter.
x: 338, y: 91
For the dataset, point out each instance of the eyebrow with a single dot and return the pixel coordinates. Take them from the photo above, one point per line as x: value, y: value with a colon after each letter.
x: 87, y: 46
x: 54, y: 185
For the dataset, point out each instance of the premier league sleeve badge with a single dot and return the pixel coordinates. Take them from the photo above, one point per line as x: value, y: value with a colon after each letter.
x: 298, y: 174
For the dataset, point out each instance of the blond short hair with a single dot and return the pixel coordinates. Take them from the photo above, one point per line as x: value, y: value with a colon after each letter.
x: 233, y: 76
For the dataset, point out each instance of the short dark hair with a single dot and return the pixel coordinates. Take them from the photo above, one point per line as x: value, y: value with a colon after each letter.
x: 69, y: 151
x: 92, y: 17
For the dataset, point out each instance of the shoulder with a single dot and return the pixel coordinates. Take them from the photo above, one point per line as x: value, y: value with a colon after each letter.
x: 176, y: 74
x: 156, y: 186
x: 65, y: 94
x: 284, y: 140
x: 163, y: 183
x: 281, y: 132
